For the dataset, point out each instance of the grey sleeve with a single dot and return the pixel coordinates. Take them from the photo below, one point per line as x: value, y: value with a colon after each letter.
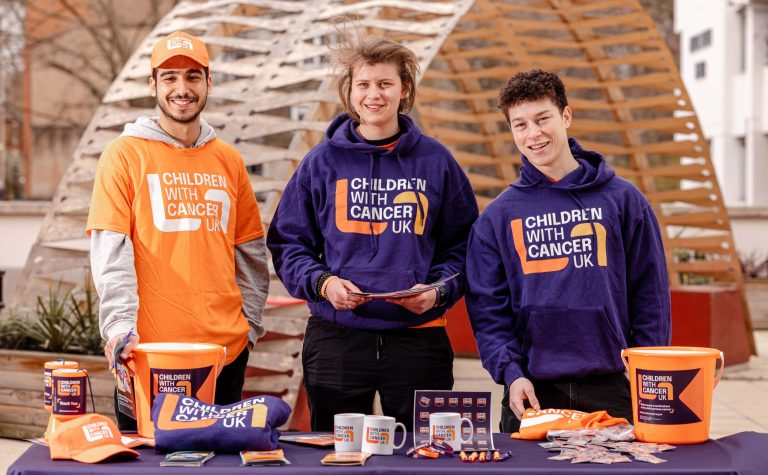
x: 114, y: 274
x: 252, y: 275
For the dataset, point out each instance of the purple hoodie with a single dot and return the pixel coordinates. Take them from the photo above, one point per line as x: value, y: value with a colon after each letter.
x: 357, y: 210
x: 564, y: 275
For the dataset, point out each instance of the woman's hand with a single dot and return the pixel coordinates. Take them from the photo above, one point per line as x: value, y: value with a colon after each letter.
x: 418, y: 303
x: 338, y: 293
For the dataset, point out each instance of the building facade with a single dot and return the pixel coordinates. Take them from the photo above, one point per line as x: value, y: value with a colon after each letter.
x: 724, y: 64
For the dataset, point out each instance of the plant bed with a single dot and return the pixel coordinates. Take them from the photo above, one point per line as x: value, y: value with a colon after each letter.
x: 22, y: 414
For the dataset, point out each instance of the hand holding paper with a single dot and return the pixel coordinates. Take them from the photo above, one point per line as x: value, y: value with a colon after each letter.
x: 420, y: 302
x: 120, y: 347
x: 416, y: 289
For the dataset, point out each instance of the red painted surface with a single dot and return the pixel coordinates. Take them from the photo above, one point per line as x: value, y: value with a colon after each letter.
x: 460, y: 331
x: 300, y: 416
x: 710, y: 316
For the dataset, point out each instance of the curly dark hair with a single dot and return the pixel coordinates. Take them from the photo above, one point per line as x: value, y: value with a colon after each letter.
x: 531, y: 86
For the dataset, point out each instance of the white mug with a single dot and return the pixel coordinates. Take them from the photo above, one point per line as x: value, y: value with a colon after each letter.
x: 447, y: 427
x: 348, y: 432
x: 379, y: 435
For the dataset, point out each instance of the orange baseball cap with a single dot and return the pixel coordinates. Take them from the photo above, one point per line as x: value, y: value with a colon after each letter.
x: 179, y: 44
x: 90, y: 438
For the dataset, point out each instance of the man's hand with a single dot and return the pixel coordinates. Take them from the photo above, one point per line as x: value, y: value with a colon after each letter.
x: 418, y: 303
x: 109, y: 348
x: 337, y: 292
x: 520, y: 390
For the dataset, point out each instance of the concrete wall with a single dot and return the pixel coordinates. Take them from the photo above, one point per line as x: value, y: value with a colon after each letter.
x: 750, y: 228
x: 20, y: 223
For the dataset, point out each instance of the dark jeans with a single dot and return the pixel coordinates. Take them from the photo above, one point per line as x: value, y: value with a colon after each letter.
x: 229, y: 389
x: 610, y: 392
x: 344, y: 368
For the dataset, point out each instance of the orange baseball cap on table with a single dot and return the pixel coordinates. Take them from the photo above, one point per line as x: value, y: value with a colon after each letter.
x: 179, y: 44
x: 90, y: 438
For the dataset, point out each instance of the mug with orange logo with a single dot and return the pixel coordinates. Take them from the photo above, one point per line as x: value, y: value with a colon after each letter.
x: 379, y: 435
x: 348, y: 432
x: 446, y: 426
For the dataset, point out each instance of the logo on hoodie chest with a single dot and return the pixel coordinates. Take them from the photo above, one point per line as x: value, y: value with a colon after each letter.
x: 372, y: 206
x: 183, y: 201
x: 549, y: 242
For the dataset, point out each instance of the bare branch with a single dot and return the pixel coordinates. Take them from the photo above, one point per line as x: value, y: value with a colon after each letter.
x: 95, y: 91
x: 100, y: 42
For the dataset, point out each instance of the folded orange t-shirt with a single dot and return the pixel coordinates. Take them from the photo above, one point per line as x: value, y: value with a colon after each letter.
x: 535, y: 424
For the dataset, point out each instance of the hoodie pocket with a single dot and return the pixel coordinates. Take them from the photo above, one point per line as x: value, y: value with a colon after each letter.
x: 571, y: 342
x: 377, y: 280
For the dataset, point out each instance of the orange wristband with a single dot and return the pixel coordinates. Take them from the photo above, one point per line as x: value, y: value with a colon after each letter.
x: 325, y: 286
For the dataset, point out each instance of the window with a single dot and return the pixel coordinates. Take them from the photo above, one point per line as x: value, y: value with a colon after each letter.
x: 701, y: 70
x: 702, y: 40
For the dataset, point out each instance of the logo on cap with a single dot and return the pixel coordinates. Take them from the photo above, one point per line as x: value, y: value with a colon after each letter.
x: 97, y: 431
x: 179, y: 42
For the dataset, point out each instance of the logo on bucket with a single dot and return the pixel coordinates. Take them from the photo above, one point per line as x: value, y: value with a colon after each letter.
x: 178, y: 381
x: 69, y: 391
x: 659, y: 393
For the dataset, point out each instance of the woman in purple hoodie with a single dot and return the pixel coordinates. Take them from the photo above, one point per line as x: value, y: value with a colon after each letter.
x: 376, y: 207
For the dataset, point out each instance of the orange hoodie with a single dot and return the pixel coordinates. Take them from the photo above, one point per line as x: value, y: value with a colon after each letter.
x: 535, y: 424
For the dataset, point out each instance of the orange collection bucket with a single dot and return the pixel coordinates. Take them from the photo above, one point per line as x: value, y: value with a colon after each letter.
x: 672, y: 391
x: 179, y: 368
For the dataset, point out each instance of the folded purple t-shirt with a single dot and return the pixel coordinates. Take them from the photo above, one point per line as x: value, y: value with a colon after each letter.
x: 185, y: 423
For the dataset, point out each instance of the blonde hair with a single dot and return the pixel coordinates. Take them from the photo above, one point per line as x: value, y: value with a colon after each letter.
x: 356, y: 48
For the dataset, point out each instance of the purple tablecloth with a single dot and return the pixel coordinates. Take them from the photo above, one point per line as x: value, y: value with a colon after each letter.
x: 745, y: 453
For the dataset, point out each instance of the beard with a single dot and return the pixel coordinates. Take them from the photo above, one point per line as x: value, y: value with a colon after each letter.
x: 180, y: 118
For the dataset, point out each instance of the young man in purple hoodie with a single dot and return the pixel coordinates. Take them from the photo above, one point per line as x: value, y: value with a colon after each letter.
x: 565, y: 268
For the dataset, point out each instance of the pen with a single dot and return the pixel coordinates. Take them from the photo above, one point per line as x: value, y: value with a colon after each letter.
x: 125, y: 342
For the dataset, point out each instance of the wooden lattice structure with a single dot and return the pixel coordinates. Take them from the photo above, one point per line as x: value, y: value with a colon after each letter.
x: 273, y: 97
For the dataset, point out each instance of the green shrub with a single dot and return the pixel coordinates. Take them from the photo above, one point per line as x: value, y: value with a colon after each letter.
x: 52, y: 329
x: 62, y: 323
x: 85, y: 320
x: 13, y: 334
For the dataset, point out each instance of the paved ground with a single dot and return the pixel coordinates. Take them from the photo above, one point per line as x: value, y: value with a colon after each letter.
x: 738, y: 404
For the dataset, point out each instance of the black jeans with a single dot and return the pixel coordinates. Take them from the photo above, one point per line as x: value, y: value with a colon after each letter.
x: 344, y: 368
x: 229, y: 384
x: 229, y: 389
x: 610, y: 392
